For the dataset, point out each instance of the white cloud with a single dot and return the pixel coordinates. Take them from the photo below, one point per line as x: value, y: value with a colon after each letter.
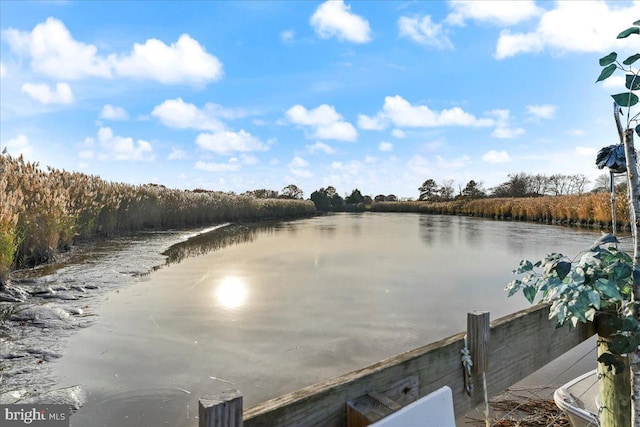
x: 321, y: 146
x: 177, y: 154
x: 110, y: 112
x: 370, y: 159
x: 558, y: 29
x: 227, y: 142
x: 614, y: 82
x: 424, y: 31
x: 298, y: 162
x: 458, y: 163
x: 176, y: 113
x: 216, y: 167
x: 399, y: 133
x: 43, y: 93
x: 248, y: 159
x: 287, y: 36
x: 512, y: 44
x: 123, y: 148
x: 184, y: 61
x: 370, y: 123
x: 328, y: 124
x: 19, y: 146
x: 546, y: 111
x: 322, y: 116
x: 3, y: 71
x: 234, y: 164
x: 496, y: 12
x: 502, y: 130
x: 385, y: 146
x: 401, y: 113
x: 298, y: 166
x: 334, y: 19
x: 494, y: 156
x: 507, y: 133
x: 341, y: 131
x: 54, y: 52
x: 576, y: 132
x: 419, y: 165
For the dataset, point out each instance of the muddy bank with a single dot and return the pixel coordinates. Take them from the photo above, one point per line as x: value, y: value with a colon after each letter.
x: 40, y: 308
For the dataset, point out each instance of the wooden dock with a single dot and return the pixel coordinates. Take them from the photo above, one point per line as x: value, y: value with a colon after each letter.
x: 507, y: 350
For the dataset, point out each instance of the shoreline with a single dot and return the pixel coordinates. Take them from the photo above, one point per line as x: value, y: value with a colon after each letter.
x: 43, y: 306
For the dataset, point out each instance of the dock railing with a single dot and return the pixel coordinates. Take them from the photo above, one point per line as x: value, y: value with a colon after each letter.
x: 505, y: 350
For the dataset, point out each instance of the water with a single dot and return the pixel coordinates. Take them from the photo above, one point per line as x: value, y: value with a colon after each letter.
x: 290, y: 305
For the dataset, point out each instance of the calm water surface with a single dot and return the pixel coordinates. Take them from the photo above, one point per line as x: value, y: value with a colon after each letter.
x: 294, y: 304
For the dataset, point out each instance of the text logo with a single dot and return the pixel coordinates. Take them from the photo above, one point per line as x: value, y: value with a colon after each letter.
x: 35, y: 415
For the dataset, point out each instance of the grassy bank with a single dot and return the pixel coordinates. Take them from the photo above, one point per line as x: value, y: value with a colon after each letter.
x: 42, y: 211
x: 590, y: 209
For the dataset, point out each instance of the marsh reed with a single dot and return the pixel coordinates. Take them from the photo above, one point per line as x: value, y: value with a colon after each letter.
x: 44, y: 210
x: 589, y: 209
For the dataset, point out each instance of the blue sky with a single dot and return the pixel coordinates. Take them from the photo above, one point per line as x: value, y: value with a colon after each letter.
x: 375, y: 95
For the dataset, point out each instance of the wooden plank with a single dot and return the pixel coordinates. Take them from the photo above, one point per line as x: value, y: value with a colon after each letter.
x: 521, y: 343
x: 403, y: 391
x: 221, y: 410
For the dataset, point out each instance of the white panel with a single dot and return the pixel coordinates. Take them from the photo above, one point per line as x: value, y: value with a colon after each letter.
x: 433, y: 410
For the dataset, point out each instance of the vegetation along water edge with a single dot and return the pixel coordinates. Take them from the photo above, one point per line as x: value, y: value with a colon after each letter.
x: 44, y: 211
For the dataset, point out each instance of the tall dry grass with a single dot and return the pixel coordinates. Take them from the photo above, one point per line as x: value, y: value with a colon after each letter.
x: 42, y: 211
x: 585, y: 209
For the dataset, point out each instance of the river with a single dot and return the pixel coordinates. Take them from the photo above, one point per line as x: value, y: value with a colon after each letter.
x: 289, y: 304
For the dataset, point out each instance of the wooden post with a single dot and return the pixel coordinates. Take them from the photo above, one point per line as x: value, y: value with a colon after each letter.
x: 221, y: 410
x: 478, y: 330
x: 478, y: 340
x: 614, y: 385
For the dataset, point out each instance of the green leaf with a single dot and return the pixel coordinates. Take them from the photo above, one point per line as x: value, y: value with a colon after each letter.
x: 613, y: 323
x: 625, y: 99
x: 637, y: 22
x: 626, y: 33
x: 632, y: 82
x: 529, y: 293
x: 609, y: 59
x: 562, y: 269
x: 578, y: 311
x: 611, y: 362
x: 524, y: 267
x: 630, y: 60
x: 629, y: 324
x: 513, y: 287
x: 638, y: 130
x: 608, y: 289
x: 594, y: 297
x: 606, y: 238
x: 606, y: 72
x: 620, y: 345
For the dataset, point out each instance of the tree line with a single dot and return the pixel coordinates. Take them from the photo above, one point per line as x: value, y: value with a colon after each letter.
x: 517, y: 185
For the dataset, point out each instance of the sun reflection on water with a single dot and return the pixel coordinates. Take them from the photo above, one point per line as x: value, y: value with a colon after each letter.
x: 231, y: 292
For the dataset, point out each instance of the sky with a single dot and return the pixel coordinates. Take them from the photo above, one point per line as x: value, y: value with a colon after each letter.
x: 374, y: 95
